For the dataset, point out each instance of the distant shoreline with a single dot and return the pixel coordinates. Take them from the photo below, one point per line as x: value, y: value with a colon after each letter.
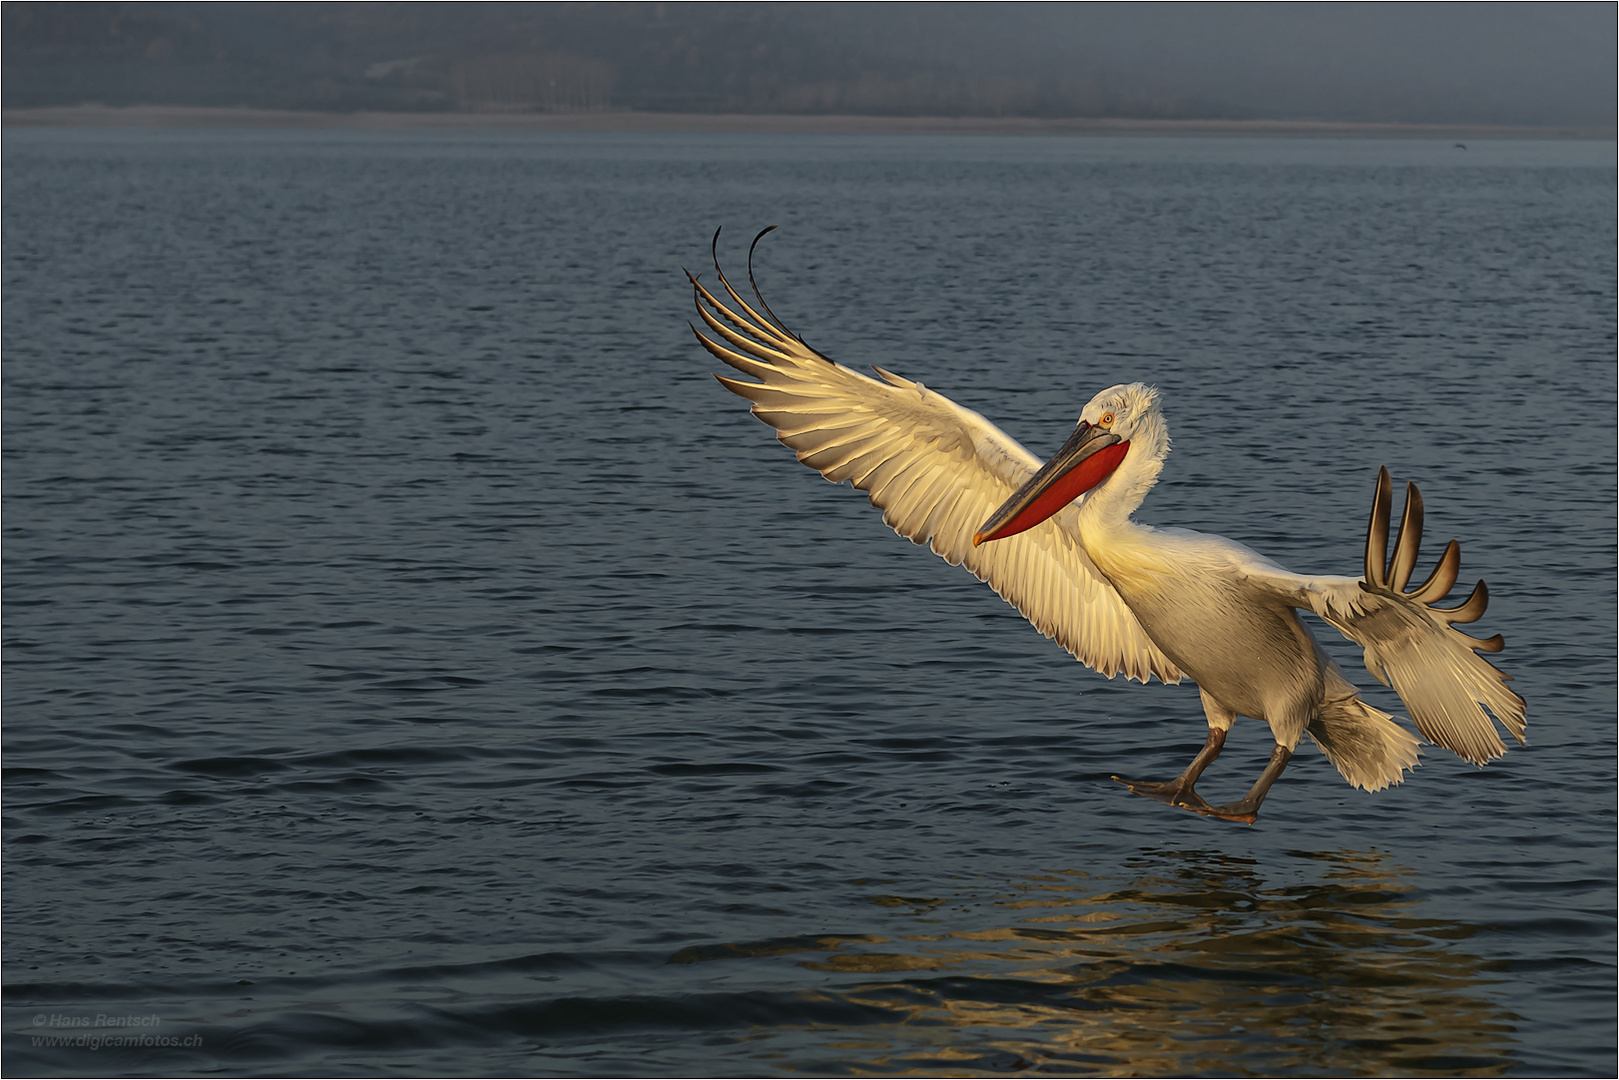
x: 171, y: 116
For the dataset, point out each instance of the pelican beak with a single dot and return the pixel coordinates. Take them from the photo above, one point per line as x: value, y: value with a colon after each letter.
x: 1088, y: 457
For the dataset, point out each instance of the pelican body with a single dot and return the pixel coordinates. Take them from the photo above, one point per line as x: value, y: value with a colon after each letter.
x: 1057, y: 540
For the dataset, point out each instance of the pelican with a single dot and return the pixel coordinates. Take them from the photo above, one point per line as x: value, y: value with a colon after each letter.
x: 1057, y: 541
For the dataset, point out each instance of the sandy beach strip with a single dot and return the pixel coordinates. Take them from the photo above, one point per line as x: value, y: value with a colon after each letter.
x: 175, y: 116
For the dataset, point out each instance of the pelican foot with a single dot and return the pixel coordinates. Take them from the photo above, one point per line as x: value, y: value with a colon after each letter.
x: 1246, y: 810
x: 1234, y: 812
x: 1174, y: 793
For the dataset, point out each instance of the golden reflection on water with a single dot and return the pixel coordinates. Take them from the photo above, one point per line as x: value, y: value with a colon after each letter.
x: 1199, y: 967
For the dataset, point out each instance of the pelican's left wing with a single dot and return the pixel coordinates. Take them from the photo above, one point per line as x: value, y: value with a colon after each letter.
x: 937, y: 471
x: 1410, y: 643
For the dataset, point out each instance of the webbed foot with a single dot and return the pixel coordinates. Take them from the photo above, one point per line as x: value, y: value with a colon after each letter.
x: 1238, y: 811
x: 1174, y: 793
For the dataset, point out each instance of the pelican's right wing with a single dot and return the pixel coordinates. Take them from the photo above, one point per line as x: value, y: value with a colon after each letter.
x: 1410, y: 642
x: 937, y: 471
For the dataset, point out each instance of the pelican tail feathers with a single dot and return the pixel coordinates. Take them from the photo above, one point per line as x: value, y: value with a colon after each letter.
x: 1363, y: 743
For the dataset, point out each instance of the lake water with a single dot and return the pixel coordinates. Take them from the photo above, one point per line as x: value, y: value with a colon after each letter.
x: 417, y: 664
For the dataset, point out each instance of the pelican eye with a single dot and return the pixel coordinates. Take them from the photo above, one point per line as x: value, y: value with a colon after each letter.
x: 1107, y: 418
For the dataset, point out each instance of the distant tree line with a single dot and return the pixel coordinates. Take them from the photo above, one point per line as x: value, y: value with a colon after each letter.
x: 1519, y: 64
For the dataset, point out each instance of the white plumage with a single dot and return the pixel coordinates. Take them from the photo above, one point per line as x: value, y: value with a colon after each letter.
x: 1125, y: 597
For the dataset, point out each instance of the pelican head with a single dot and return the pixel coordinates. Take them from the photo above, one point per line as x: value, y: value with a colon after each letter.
x: 1108, y: 425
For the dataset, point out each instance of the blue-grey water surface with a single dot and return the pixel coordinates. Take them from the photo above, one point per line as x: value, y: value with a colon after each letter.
x: 417, y: 664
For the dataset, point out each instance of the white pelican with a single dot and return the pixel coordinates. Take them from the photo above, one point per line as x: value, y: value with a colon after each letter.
x: 1056, y: 541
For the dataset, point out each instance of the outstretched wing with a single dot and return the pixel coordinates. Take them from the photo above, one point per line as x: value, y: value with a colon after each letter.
x: 936, y: 470
x: 1410, y: 644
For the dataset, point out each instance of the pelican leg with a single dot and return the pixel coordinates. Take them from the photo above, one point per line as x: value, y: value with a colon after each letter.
x: 1178, y: 792
x: 1247, y: 810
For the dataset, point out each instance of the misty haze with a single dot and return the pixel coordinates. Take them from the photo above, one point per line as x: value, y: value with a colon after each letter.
x: 1485, y: 64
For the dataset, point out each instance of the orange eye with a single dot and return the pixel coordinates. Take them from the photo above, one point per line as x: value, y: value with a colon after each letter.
x: 1107, y: 418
